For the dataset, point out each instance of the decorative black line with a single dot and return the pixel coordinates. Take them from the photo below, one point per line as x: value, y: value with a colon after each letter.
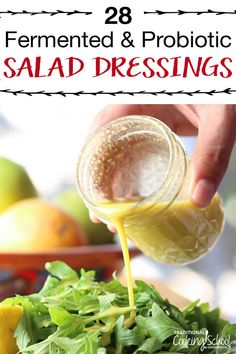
x: 183, y: 12
x: 50, y: 13
x: 227, y: 91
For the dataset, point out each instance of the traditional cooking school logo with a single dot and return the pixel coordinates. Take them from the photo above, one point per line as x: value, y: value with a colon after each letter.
x: 203, y: 340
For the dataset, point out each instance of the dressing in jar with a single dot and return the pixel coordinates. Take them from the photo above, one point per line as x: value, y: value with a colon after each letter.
x: 134, y: 173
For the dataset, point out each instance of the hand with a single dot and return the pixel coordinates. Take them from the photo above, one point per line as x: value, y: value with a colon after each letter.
x: 215, y: 127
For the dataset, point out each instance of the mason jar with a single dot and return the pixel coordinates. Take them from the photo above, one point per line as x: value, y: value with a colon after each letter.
x: 139, y: 164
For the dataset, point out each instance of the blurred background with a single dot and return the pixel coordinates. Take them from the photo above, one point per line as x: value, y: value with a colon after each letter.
x: 46, y: 140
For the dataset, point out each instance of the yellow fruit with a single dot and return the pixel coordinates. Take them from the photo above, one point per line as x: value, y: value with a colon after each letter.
x: 36, y: 225
x: 9, y: 318
x: 15, y: 184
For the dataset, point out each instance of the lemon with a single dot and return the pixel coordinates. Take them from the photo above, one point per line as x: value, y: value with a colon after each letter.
x: 9, y: 318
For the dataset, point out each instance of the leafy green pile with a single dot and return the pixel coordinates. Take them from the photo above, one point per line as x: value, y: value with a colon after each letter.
x: 75, y: 314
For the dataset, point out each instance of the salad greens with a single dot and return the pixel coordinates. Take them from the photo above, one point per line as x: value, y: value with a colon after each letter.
x: 74, y: 314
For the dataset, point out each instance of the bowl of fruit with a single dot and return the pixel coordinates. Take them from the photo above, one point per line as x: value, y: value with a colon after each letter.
x: 36, y: 230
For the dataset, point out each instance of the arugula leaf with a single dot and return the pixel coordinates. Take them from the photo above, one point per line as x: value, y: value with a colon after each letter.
x: 24, y: 333
x: 149, y: 346
x: 159, y: 325
x: 127, y: 337
x: 61, y: 270
x: 74, y: 314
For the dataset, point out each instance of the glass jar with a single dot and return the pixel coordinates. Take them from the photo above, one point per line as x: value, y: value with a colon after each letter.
x: 138, y: 163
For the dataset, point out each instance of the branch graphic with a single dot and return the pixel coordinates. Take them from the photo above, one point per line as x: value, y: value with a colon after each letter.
x: 183, y: 12
x: 227, y: 91
x: 43, y: 12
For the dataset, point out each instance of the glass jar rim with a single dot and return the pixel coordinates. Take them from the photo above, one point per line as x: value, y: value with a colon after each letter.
x: 170, y: 138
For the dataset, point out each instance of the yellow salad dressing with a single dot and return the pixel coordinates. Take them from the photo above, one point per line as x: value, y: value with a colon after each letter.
x: 117, y: 212
x: 135, y: 173
x: 174, y: 233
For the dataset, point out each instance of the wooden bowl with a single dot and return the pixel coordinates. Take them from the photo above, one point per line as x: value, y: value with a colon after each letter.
x: 104, y: 256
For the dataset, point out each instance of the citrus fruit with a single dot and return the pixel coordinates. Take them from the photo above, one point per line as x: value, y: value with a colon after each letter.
x: 70, y: 201
x: 36, y: 225
x: 9, y: 319
x: 15, y: 184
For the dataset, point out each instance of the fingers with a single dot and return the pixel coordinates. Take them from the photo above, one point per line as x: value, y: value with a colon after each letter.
x: 216, y: 127
x: 216, y: 137
x: 172, y: 115
x: 111, y: 228
x: 94, y: 219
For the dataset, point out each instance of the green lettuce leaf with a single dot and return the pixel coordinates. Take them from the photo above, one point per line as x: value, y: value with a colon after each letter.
x: 75, y: 314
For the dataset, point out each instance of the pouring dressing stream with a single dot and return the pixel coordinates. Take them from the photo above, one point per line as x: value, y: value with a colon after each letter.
x: 134, y: 173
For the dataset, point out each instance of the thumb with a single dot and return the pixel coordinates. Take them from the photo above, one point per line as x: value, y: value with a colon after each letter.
x: 216, y: 137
